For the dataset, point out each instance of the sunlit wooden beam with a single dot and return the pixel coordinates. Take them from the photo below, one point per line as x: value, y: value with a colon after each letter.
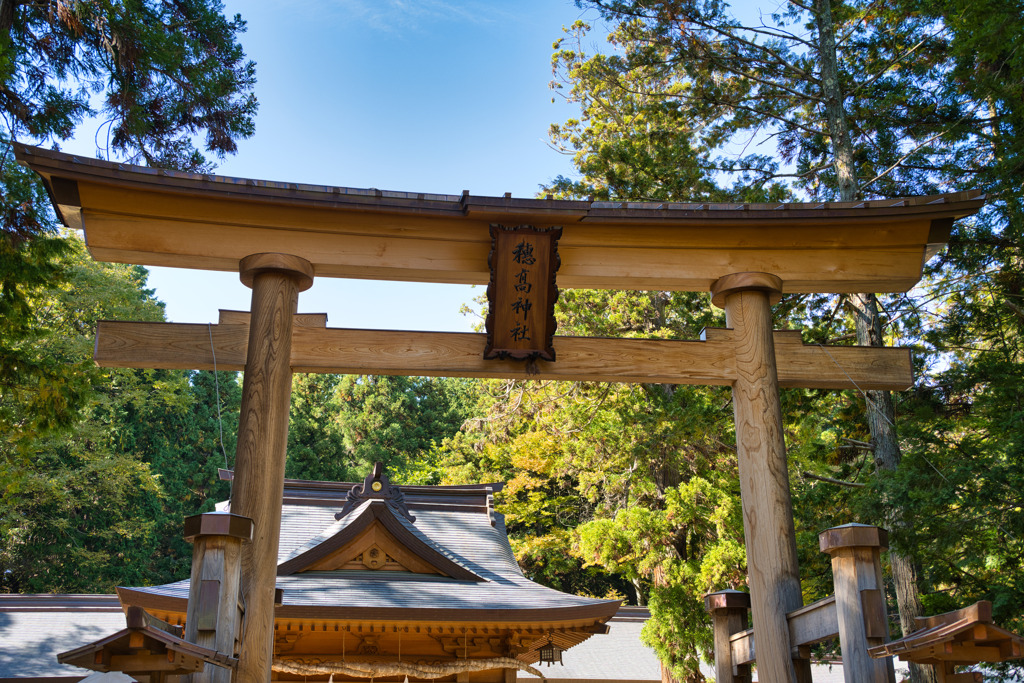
x: 447, y: 354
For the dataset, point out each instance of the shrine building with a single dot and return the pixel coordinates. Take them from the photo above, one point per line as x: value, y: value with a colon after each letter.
x: 374, y: 581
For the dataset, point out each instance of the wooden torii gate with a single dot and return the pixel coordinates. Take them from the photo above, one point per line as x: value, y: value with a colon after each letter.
x: 279, y: 235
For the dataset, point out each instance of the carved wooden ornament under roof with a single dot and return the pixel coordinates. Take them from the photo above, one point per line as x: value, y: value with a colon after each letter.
x: 376, y: 486
x: 375, y: 531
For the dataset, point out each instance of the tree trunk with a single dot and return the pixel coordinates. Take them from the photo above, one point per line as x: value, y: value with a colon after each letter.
x: 882, y: 423
x: 835, y: 115
x: 7, y: 16
x: 881, y: 414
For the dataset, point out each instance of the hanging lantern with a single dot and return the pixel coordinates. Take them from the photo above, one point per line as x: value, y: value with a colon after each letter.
x: 550, y: 653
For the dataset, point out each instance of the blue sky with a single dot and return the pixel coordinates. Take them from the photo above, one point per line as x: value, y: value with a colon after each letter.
x: 421, y: 95
x: 416, y: 95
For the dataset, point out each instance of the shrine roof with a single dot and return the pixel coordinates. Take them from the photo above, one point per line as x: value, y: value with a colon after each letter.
x: 34, y: 628
x: 964, y: 636
x: 458, y: 521
x: 619, y: 655
x: 135, y: 214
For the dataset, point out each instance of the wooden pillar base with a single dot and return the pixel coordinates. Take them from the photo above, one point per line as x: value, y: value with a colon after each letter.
x: 258, y: 487
x: 772, y: 572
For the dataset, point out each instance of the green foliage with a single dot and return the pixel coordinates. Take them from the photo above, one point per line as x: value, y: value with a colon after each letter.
x: 166, y: 72
x: 929, y: 100
x: 168, y: 420
x: 47, y: 371
x: 101, y: 503
x: 396, y: 420
x: 616, y: 489
x: 33, y: 397
x: 76, y: 523
x: 631, y: 140
x: 744, y: 86
x: 158, y: 74
x: 316, y: 448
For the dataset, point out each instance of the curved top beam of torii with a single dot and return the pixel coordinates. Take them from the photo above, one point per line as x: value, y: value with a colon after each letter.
x: 152, y: 217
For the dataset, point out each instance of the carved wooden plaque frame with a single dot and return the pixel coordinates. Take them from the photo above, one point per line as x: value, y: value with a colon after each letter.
x: 522, y: 292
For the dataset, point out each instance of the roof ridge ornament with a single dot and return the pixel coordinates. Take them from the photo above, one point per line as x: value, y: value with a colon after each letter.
x: 376, y: 486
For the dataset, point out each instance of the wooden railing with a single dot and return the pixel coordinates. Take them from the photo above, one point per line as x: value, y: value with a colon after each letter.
x: 856, y: 613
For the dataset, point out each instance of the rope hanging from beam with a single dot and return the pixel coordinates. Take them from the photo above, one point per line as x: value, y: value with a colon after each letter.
x: 317, y: 667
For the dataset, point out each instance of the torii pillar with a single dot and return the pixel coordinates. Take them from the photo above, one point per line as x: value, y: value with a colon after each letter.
x: 258, y: 486
x: 772, y: 572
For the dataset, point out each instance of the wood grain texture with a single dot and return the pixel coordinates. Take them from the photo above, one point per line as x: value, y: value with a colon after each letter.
x: 772, y: 571
x: 216, y: 558
x: 141, y: 215
x: 728, y: 617
x: 152, y: 240
x: 857, y: 576
x: 813, y: 623
x: 259, y: 469
x: 443, y: 354
x: 228, y: 317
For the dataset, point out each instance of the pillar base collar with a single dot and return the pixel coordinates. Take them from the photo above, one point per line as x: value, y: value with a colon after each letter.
x: 218, y: 524
x: 833, y: 540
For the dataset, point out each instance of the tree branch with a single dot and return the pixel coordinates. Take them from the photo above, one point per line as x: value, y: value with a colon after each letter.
x: 830, y: 480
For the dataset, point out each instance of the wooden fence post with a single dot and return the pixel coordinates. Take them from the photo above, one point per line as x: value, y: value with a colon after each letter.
x: 728, y: 611
x: 214, y: 615
x: 860, y: 599
x: 258, y: 486
x: 772, y: 570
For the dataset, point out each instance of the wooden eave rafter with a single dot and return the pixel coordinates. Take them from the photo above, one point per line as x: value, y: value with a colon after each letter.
x: 146, y: 645
x: 161, y: 218
x: 577, y: 616
x: 965, y: 636
x: 377, y: 512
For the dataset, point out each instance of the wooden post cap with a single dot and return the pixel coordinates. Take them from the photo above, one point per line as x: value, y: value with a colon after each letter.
x: 295, y: 266
x: 727, y: 599
x: 218, y: 524
x: 852, y: 536
x: 738, y: 282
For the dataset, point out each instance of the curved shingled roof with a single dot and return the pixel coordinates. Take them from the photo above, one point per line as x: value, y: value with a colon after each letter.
x: 368, y: 513
x: 458, y: 522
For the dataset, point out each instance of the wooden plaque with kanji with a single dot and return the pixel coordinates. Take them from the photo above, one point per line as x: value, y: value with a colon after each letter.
x: 521, y: 294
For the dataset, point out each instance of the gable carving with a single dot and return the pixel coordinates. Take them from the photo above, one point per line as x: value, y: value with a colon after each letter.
x: 376, y: 525
x: 375, y: 558
x: 376, y: 486
x: 374, y: 548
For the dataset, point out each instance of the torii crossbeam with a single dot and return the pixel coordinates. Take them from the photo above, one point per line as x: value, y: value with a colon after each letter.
x: 278, y: 235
